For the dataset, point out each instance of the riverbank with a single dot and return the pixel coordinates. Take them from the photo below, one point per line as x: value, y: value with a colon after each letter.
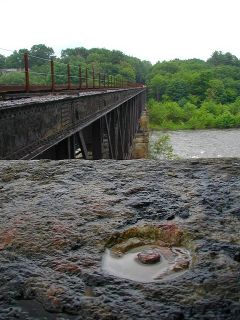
x: 56, y: 219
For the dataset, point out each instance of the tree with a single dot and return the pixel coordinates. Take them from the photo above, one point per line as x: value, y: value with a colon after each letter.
x: 39, y: 54
x: 158, y: 86
x: 16, y: 59
x: 189, y: 110
x: 216, y: 91
x: 79, y: 52
x: 199, y: 84
x: 116, y: 56
x: 219, y: 58
x: 225, y: 120
x: 2, y: 61
x: 235, y: 106
x: 169, y: 67
x: 142, y: 68
x: 127, y: 71
x: 162, y: 148
x: 12, y: 78
x: 177, y: 89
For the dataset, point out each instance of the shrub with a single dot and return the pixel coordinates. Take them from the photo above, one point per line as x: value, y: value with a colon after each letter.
x: 225, y: 120
x: 17, y: 78
x: 161, y: 148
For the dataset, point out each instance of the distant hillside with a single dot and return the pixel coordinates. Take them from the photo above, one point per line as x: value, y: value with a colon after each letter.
x: 195, y: 94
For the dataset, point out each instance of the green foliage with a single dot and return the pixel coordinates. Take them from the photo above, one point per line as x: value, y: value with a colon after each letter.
x: 225, y: 120
x: 194, y: 94
x: 178, y: 88
x: 170, y: 115
x: 158, y: 85
x: 15, y: 60
x: 235, y: 106
x: 2, y: 61
x: 113, y: 63
x: 40, y: 51
x: 216, y: 90
x: 142, y: 68
x: 12, y: 78
x: 79, y: 52
x: 219, y: 58
x: 165, y: 115
x: 189, y: 110
x: 201, y: 119
x: 162, y: 148
x: 195, y: 80
x: 109, y: 62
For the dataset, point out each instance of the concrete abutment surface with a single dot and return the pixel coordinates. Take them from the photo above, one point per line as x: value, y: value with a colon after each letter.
x: 58, y: 218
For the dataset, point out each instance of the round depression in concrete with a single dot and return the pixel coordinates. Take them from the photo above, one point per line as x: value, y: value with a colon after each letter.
x: 147, y: 254
x: 173, y: 262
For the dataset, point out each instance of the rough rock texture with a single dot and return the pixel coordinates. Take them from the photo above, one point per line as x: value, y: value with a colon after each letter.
x: 149, y: 256
x: 56, y: 217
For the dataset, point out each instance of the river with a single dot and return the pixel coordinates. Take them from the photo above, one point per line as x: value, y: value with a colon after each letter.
x: 203, y: 143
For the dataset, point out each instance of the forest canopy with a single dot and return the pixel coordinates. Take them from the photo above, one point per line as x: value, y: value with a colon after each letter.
x: 109, y: 62
x: 195, y: 94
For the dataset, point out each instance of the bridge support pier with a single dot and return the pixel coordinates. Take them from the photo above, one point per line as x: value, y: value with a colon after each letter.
x: 111, y: 136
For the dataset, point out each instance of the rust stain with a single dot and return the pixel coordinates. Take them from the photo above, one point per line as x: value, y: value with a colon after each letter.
x: 6, y: 238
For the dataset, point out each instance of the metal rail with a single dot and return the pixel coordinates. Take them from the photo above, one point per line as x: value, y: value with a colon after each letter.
x: 88, y: 79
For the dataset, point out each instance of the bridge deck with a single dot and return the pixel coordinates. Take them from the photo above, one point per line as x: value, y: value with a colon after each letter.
x: 22, y: 99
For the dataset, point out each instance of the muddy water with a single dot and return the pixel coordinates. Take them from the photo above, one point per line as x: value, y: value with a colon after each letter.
x: 204, y: 143
x: 129, y: 267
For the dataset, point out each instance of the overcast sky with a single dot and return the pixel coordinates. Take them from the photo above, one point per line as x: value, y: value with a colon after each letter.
x: 148, y: 29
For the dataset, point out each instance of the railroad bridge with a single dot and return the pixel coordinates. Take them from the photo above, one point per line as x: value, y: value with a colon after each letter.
x: 87, y: 115
x: 89, y: 124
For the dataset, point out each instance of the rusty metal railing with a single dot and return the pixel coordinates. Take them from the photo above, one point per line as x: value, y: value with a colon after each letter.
x: 87, y: 78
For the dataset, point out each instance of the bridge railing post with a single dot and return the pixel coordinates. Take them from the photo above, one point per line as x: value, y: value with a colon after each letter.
x: 86, y: 78
x: 93, y: 77
x: 68, y: 77
x: 80, y: 77
x: 104, y: 80
x: 52, y: 75
x: 26, y: 66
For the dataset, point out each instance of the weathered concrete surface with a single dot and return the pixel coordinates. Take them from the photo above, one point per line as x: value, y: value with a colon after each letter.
x: 56, y: 217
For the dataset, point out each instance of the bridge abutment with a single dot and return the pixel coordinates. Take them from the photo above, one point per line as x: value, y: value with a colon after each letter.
x: 141, y: 140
